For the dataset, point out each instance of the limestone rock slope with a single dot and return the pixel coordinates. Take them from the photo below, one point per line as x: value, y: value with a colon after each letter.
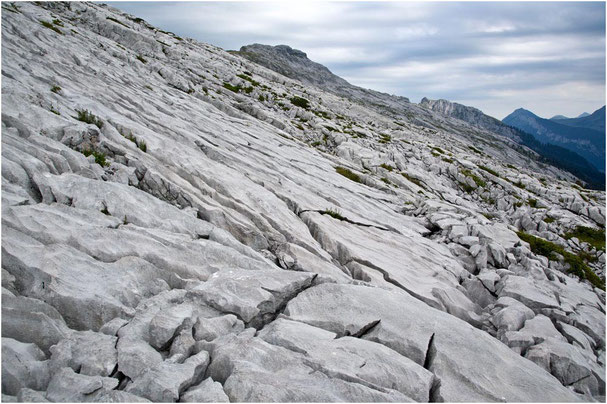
x: 182, y: 224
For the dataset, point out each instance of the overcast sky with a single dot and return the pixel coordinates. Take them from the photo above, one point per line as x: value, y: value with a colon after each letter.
x: 546, y: 57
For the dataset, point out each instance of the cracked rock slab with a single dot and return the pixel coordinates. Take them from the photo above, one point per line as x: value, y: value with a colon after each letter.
x: 251, y: 369
x: 253, y: 296
x: 351, y: 358
x: 407, y: 325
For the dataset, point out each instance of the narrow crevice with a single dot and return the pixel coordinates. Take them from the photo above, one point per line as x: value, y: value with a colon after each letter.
x: 345, y: 219
x: 114, y: 371
x: 394, y: 282
x: 557, y: 297
x: 362, y: 332
x: 266, y: 318
x: 433, y: 229
x: 429, y: 353
x: 123, y: 380
x: 489, y: 290
x: 434, y: 393
x: 316, y: 367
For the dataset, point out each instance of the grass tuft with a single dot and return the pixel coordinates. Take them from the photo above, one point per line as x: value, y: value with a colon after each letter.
x: 348, y: 174
x: 383, y: 138
x: 490, y: 171
x: 577, y: 266
x: 87, y: 116
x: 48, y: 25
x: 117, y: 21
x: 300, y: 102
x: 99, y: 156
x: 336, y: 214
x: 230, y: 87
x: 477, y: 180
x: 594, y: 237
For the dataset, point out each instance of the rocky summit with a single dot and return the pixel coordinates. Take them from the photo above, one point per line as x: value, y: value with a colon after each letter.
x: 180, y: 223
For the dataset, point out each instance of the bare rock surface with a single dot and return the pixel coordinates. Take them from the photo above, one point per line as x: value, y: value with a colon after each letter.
x: 176, y: 228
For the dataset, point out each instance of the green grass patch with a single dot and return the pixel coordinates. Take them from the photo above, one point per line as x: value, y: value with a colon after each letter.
x: 54, y: 111
x: 322, y: 114
x: 519, y: 184
x: 117, y: 21
x: 490, y: 171
x: 383, y: 138
x: 55, y: 89
x: 336, y: 214
x: 385, y: 180
x: 249, y: 79
x: 594, y: 237
x: 139, y: 143
x: 413, y: 180
x: 438, y: 150
x: 466, y: 187
x: 474, y: 149
x: 99, y: 157
x: 348, y: 174
x: 141, y: 59
x: 49, y: 25
x: 477, y: 180
x: 387, y: 167
x: 532, y: 202
x: 549, y: 219
x: 577, y: 266
x: 230, y: 87
x: 300, y: 102
x: 87, y: 116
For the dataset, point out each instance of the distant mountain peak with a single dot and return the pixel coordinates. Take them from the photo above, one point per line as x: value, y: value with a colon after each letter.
x: 583, y: 114
x: 584, y: 136
x: 295, y: 64
x: 291, y: 52
x: 292, y: 63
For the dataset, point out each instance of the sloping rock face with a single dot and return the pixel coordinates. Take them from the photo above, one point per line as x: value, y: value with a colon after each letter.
x: 175, y: 228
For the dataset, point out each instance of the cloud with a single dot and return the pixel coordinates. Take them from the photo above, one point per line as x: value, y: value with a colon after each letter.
x: 548, y: 57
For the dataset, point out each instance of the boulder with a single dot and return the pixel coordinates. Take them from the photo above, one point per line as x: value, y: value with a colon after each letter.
x: 69, y: 386
x: 206, y: 391
x: 165, y: 382
x: 24, y: 365
x: 86, y: 352
x: 210, y: 328
x: 566, y: 362
x: 167, y: 323
x: 32, y: 320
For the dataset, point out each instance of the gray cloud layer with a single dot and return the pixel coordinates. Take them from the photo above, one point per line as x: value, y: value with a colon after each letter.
x: 545, y: 57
